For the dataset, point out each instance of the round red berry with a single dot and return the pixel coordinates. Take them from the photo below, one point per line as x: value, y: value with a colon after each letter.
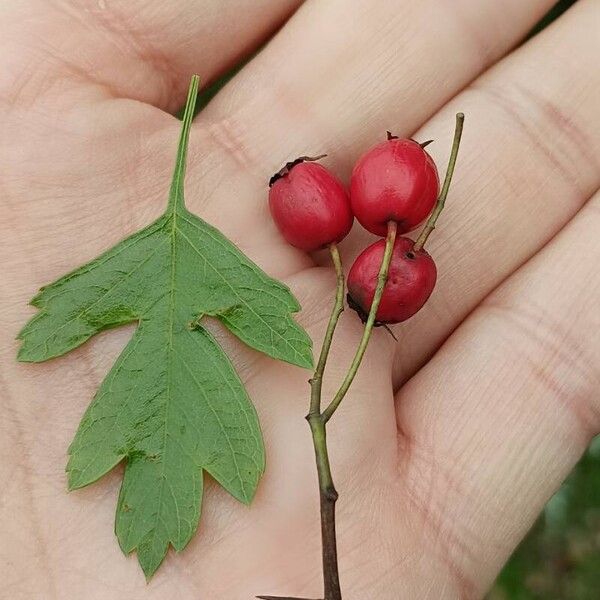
x: 411, y: 279
x: 309, y: 205
x: 397, y: 181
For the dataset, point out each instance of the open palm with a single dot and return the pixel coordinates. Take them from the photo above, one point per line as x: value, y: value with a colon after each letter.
x: 451, y: 440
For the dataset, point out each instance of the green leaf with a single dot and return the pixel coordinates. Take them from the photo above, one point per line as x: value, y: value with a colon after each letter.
x: 172, y: 404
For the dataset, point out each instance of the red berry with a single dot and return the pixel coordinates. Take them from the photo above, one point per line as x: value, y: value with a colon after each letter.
x: 394, y: 181
x: 309, y: 205
x: 411, y: 279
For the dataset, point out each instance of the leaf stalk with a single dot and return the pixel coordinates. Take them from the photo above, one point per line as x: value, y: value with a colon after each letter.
x: 176, y: 200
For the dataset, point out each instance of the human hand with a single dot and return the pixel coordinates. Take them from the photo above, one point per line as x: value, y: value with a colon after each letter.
x: 450, y: 441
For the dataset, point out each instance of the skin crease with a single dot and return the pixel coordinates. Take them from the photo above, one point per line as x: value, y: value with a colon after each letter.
x: 449, y: 443
x: 310, y: 207
x: 411, y: 279
x: 394, y: 181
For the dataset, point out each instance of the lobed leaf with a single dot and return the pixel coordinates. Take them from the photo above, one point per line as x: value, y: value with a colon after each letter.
x: 172, y: 405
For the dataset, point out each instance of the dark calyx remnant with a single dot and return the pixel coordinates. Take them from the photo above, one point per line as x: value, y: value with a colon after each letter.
x: 391, y: 136
x: 290, y: 165
x: 364, y: 315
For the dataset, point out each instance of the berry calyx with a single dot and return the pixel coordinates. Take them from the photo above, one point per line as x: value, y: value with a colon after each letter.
x: 395, y: 180
x: 309, y: 205
x: 410, y: 280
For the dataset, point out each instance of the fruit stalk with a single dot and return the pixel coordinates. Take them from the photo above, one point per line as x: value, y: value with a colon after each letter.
x: 362, y: 347
x: 441, y: 201
x: 316, y: 383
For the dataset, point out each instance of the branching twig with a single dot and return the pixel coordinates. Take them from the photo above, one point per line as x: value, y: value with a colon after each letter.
x: 318, y: 420
x: 362, y: 347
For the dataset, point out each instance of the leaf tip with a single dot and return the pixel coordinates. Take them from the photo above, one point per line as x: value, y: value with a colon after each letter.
x: 247, y: 498
x: 37, y: 299
x: 308, y: 360
x: 150, y: 559
x: 73, y: 481
x: 303, y: 356
x: 25, y: 355
x: 22, y: 354
x: 75, y: 478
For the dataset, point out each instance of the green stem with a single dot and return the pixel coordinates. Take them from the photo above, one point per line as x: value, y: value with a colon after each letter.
x: 318, y: 421
x: 316, y: 382
x: 327, y: 492
x: 441, y: 201
x: 362, y: 347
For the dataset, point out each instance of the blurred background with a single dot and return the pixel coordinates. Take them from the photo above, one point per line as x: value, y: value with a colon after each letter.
x: 560, y: 558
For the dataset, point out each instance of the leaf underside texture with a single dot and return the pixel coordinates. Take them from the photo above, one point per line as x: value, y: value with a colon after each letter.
x: 172, y: 405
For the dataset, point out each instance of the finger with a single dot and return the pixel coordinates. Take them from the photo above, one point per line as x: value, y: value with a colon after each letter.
x: 229, y: 189
x: 310, y: 90
x: 495, y: 422
x: 528, y: 161
x: 140, y: 49
x: 340, y: 73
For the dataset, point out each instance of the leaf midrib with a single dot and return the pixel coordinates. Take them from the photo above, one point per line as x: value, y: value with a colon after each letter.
x: 170, y: 355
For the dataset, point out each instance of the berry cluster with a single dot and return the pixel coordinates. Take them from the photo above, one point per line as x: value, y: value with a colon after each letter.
x: 394, y: 186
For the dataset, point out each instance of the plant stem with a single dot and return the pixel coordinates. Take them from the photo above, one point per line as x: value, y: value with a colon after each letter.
x: 362, y: 347
x: 316, y: 382
x: 439, y: 205
x: 327, y: 492
x: 318, y: 420
x: 327, y: 498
